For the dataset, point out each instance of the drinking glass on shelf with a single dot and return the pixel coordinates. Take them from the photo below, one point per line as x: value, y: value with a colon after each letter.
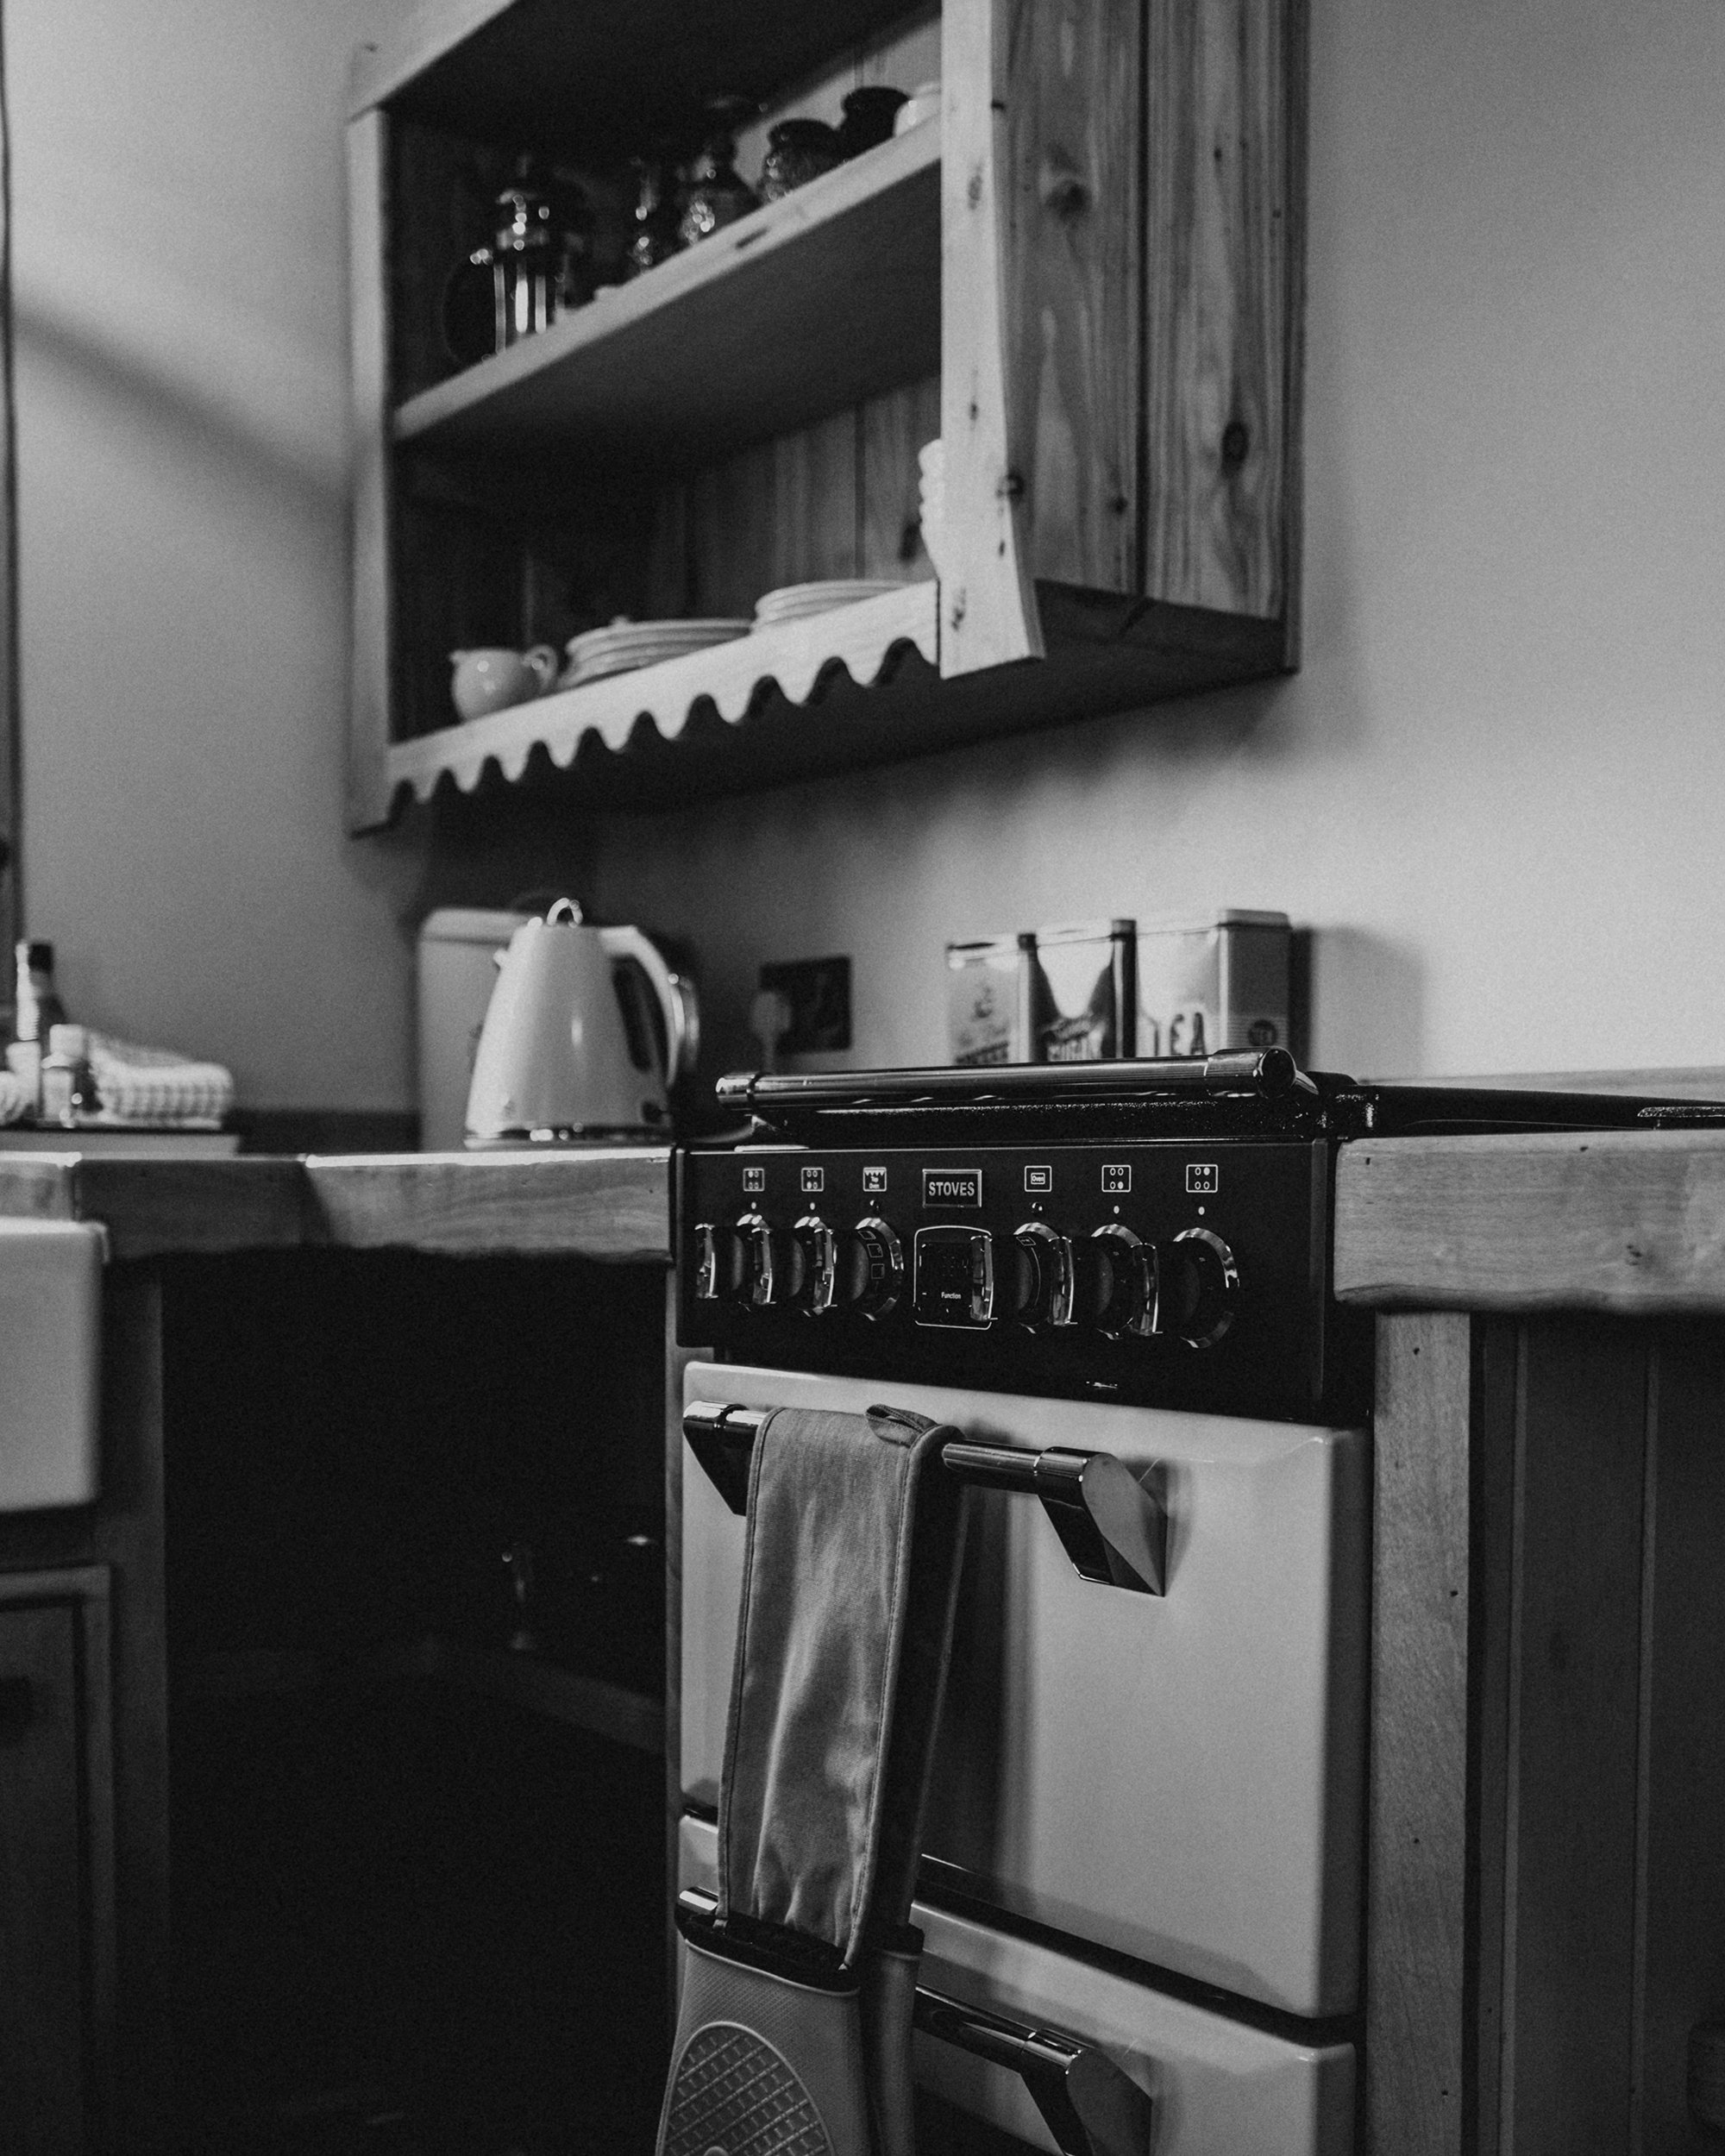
x: 716, y: 194
x: 653, y: 232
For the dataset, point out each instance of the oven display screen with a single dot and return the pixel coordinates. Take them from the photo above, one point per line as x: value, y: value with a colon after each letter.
x: 955, y: 1276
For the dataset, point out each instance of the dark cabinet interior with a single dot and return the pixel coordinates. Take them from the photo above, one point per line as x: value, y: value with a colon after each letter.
x: 415, y: 1613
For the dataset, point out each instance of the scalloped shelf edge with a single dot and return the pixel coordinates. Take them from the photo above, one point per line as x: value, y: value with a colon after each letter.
x: 794, y: 660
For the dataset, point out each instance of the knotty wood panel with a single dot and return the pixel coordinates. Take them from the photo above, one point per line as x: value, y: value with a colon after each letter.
x: 1222, y: 296
x: 891, y: 430
x: 988, y: 600
x: 1073, y: 278
x: 1626, y: 1221
x: 1493, y: 1556
x: 1682, y: 1777
x: 1575, y: 1669
x: 1417, y: 1809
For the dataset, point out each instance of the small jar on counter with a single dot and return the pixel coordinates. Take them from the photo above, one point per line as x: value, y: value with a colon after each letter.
x: 68, y: 1085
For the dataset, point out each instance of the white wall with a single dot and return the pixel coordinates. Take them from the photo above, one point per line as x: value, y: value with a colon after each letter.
x: 181, y: 292
x: 1494, y: 791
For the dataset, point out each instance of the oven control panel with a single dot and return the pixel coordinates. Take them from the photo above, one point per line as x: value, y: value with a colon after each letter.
x: 1173, y: 1271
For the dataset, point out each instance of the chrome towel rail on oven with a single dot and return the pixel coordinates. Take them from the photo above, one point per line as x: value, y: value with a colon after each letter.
x: 1113, y: 1527
x: 1089, y: 2106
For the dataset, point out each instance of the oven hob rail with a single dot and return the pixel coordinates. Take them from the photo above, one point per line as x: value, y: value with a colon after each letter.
x: 1246, y: 1092
x: 1113, y: 1526
x: 1089, y: 2106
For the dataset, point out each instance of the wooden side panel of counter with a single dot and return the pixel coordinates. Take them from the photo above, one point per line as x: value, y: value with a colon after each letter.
x: 1546, y: 1825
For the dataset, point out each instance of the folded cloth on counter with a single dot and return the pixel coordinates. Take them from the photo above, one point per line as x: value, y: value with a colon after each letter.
x: 157, y: 1085
x: 849, y: 1588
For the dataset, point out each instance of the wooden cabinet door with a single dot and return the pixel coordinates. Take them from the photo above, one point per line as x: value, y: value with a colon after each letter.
x: 55, y: 1864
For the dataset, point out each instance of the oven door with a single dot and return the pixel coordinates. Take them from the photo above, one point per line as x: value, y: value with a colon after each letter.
x: 1217, y: 2086
x: 1178, y: 1777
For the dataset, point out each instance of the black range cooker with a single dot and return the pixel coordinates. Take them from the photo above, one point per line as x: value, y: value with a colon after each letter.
x: 1144, y: 1852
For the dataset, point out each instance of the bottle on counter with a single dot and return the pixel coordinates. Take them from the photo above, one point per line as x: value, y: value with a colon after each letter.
x: 37, y: 1009
x: 68, y: 1086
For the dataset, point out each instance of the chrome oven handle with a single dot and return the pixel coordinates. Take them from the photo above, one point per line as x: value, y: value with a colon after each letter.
x: 1088, y: 2103
x: 1113, y: 1527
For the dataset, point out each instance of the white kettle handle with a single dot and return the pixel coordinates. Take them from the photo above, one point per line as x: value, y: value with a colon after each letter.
x: 676, y: 997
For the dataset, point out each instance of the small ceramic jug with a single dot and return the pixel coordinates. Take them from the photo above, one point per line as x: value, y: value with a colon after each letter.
x: 491, y: 680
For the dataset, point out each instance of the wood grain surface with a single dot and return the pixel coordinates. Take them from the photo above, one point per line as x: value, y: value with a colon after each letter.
x: 1416, y: 1944
x: 1631, y: 1221
x: 1682, y: 1783
x: 1074, y: 280
x: 1574, y: 1661
x: 1223, y: 300
x: 611, y: 1204
x: 989, y: 612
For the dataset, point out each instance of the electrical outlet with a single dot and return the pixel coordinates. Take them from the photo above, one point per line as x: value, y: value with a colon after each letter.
x: 818, y: 992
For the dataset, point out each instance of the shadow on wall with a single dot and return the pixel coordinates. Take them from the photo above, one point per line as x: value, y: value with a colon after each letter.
x: 1358, y: 1003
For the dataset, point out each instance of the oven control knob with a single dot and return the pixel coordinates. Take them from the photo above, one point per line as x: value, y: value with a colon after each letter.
x: 1121, y: 1268
x: 718, y: 1263
x: 1196, y: 1284
x: 1040, y: 1279
x: 818, y: 1247
x: 773, y: 1263
x: 874, y: 1271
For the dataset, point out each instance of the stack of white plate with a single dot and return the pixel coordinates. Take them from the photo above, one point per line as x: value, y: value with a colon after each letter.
x: 931, y: 497
x: 796, y: 602
x: 626, y: 645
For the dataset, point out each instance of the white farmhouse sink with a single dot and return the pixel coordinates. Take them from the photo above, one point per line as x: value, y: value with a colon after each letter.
x: 50, y: 1362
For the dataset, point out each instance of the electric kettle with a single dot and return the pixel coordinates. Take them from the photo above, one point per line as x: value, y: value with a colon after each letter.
x: 568, y: 1046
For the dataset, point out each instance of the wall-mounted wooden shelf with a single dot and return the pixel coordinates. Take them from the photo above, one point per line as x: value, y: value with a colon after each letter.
x: 1086, y: 276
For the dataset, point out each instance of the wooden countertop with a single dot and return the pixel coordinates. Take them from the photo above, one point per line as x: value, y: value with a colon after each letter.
x: 1630, y: 1222
x: 1627, y: 1222
x: 606, y: 1202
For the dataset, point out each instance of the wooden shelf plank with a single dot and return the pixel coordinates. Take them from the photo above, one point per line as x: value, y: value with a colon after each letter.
x: 600, y: 79
x: 806, y: 305
x: 592, y: 1703
x: 883, y: 703
x: 1628, y: 1222
x: 626, y: 1717
x: 860, y: 638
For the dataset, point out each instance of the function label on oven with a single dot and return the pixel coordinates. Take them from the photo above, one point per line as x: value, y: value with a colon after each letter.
x: 874, y: 1182
x: 814, y: 1179
x: 1039, y: 1178
x: 1203, y: 1178
x: 952, y: 1186
x: 754, y: 1179
x: 1117, y: 1178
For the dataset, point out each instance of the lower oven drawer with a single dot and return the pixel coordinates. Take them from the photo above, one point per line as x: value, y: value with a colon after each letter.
x: 1178, y: 1777
x: 1219, y: 2087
